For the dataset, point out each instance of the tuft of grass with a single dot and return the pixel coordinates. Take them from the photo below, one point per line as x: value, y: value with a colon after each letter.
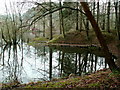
x: 94, y: 85
x: 37, y: 40
x: 56, y: 39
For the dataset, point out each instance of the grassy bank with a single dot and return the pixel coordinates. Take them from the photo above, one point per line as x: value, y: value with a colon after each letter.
x: 77, y: 37
x: 100, y: 79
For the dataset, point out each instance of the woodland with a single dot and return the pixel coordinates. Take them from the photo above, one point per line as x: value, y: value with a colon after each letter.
x: 80, y: 23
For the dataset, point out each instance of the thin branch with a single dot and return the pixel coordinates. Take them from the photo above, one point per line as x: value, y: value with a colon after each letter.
x: 47, y: 13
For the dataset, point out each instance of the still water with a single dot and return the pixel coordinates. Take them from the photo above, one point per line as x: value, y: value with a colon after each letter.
x: 27, y: 63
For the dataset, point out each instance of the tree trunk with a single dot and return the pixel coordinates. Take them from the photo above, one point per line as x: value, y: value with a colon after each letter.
x: 100, y: 37
x: 94, y: 8
x: 60, y: 17
x: 61, y: 20
x: 117, y: 26
x: 81, y: 18
x: 98, y: 10
x: 44, y: 27
x: 87, y: 28
x: 103, y: 17
x: 50, y: 63
x: 108, y: 17
x: 119, y: 23
x: 77, y: 14
x: 50, y: 21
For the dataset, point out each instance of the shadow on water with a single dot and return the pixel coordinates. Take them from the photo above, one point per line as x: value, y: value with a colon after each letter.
x: 24, y: 63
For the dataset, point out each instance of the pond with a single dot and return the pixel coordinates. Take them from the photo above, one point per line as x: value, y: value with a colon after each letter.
x: 27, y: 63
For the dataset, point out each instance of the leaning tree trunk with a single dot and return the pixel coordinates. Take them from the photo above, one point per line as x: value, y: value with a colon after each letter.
x: 108, y: 55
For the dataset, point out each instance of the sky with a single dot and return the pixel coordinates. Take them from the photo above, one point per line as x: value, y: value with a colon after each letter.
x: 4, y: 3
x: 7, y: 3
x: 26, y: 6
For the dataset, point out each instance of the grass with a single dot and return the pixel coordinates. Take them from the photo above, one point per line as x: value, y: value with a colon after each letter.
x: 78, y: 37
x: 100, y: 79
x: 37, y: 40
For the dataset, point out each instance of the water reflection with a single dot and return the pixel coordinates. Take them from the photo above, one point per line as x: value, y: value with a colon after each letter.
x: 80, y: 63
x: 25, y: 63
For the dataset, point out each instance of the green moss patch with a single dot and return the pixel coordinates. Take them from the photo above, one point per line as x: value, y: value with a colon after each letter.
x: 37, y: 40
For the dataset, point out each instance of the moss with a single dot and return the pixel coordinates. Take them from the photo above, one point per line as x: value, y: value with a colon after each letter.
x: 94, y: 85
x: 100, y: 79
x: 37, y: 40
x: 40, y: 39
x: 56, y: 39
x: 78, y: 37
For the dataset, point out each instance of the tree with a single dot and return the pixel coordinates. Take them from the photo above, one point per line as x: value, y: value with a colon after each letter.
x: 117, y: 26
x: 108, y: 17
x: 44, y: 27
x: 103, y: 17
x: 62, y: 31
x: 81, y: 18
x: 51, y: 36
x: 98, y: 11
x: 108, y: 55
x: 77, y: 14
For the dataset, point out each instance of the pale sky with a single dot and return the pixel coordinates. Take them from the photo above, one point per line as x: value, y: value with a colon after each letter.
x: 7, y: 2
x: 26, y: 6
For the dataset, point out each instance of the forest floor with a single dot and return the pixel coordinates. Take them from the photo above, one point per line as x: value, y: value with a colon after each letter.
x: 102, y: 79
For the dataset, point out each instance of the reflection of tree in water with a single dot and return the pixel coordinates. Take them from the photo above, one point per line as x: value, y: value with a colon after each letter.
x: 11, y: 68
x: 78, y: 63
x: 52, y: 63
x: 68, y: 63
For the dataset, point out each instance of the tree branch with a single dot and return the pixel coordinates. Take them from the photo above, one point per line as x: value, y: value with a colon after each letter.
x: 47, y: 13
